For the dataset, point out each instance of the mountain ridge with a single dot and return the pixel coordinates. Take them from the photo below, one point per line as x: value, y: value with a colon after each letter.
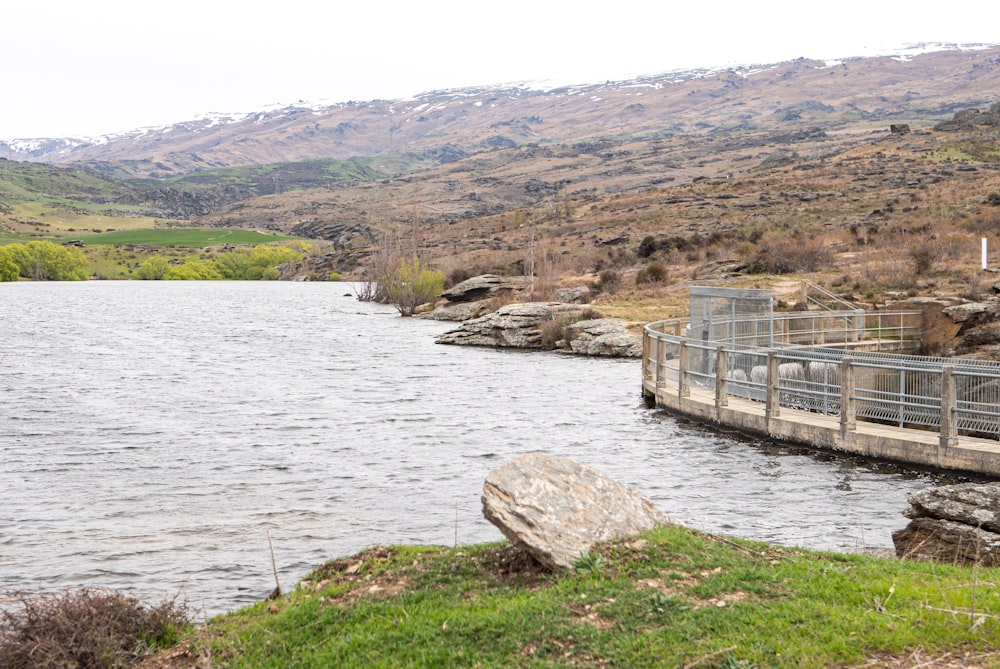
x: 924, y: 87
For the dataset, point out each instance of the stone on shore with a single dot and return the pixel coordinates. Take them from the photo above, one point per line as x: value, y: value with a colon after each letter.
x: 522, y: 325
x: 608, y: 337
x: 957, y: 524
x: 557, y: 509
x: 970, y: 503
x: 516, y: 325
x: 483, y: 287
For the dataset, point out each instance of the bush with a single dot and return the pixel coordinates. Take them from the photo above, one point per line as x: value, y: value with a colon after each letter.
x: 91, y: 629
x: 8, y: 268
x: 782, y: 256
x: 47, y: 261
x: 255, y: 264
x: 458, y: 275
x: 608, y: 281
x: 194, y: 270
x: 654, y: 272
x: 411, y: 284
x: 923, y: 254
x: 153, y: 269
x: 554, y: 331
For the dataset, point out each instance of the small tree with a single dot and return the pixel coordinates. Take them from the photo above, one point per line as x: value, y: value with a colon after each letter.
x: 154, y: 268
x: 411, y: 283
x: 8, y: 268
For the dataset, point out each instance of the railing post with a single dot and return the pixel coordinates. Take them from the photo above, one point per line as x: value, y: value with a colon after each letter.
x: 949, y: 400
x: 682, y: 359
x: 661, y: 363
x: 859, y: 325
x: 721, y: 373
x: 848, y: 407
x: 646, y: 346
x: 772, y: 403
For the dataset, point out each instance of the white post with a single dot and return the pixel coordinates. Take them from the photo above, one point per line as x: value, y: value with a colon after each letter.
x: 984, y: 252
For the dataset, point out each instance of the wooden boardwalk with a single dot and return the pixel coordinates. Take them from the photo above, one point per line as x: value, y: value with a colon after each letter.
x: 923, y: 448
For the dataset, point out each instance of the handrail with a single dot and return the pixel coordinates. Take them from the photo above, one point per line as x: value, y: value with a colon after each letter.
x: 952, y: 396
x: 811, y: 287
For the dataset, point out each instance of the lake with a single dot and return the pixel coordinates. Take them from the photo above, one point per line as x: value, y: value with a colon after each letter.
x: 153, y: 435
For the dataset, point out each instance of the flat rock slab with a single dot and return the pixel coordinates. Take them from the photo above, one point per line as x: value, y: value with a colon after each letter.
x: 558, y: 509
x: 975, y: 504
x: 956, y: 524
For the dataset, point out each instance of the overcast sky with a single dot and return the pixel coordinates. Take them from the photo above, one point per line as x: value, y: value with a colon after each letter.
x: 73, y: 68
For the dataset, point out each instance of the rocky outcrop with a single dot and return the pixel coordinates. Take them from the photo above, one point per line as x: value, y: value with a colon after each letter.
x: 957, y: 524
x: 978, y: 328
x: 184, y: 204
x: 546, y: 325
x: 575, y: 294
x: 344, y: 235
x: 516, y: 325
x: 605, y: 337
x: 483, y: 287
x: 967, y: 119
x: 558, y: 509
x: 461, y: 311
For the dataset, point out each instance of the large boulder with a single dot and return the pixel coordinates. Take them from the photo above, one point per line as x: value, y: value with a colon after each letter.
x: 970, y: 503
x: 558, y: 509
x: 975, y: 312
x: 458, y: 311
x: 483, y: 287
x: 516, y: 325
x: 607, y: 337
x: 957, y: 524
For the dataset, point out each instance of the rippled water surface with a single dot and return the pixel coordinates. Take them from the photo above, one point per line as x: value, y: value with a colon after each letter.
x: 153, y: 434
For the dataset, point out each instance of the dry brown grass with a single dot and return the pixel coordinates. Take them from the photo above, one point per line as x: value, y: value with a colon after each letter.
x: 87, y: 629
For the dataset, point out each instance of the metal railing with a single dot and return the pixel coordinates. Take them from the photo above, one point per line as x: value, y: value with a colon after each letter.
x: 844, y: 370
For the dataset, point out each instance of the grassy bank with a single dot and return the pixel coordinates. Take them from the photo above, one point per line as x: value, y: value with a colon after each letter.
x: 672, y: 598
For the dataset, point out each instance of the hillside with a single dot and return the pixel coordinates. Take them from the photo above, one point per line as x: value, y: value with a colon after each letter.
x: 784, y: 169
x: 925, y: 88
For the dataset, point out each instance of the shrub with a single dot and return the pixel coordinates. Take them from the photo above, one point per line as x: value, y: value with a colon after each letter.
x: 608, y: 281
x: 8, y: 268
x: 779, y: 256
x: 458, y: 275
x: 654, y: 272
x: 47, y: 261
x: 410, y: 284
x: 554, y: 330
x: 195, y: 270
x: 255, y: 264
x: 154, y: 268
x: 91, y: 629
x: 923, y: 254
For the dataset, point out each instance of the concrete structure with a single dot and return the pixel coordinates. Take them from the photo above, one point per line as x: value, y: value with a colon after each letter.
x: 835, y: 388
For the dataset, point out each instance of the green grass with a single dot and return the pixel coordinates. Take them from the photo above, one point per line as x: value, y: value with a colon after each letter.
x: 673, y: 598
x: 192, y: 238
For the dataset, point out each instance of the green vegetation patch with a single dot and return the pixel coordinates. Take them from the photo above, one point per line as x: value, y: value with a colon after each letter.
x: 672, y: 598
x: 281, y: 177
x: 192, y: 238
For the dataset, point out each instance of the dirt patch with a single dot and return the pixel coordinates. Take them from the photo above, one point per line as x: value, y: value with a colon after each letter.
x: 508, y: 562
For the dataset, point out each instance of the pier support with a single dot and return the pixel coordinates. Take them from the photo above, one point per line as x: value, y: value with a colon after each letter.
x: 848, y: 406
x: 949, y: 400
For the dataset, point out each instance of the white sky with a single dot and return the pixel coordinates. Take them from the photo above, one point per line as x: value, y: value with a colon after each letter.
x: 74, y: 68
